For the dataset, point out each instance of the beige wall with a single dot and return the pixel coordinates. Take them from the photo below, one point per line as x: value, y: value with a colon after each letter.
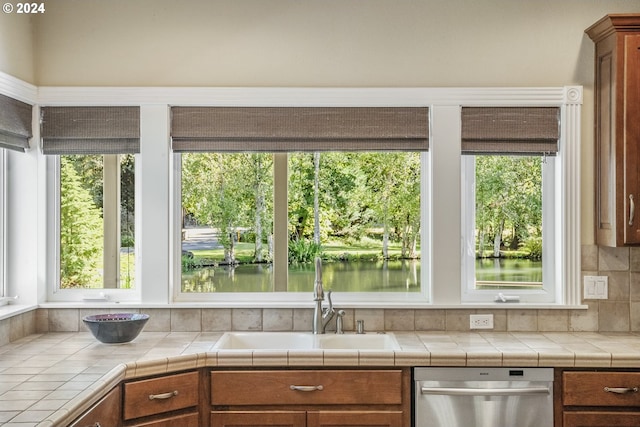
x: 318, y: 42
x: 16, y: 46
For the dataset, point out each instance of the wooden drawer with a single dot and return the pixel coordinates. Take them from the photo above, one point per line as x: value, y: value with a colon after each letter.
x: 588, y: 388
x: 258, y: 418
x: 345, y: 387
x: 158, y: 395
x: 601, y: 419
x: 187, y: 420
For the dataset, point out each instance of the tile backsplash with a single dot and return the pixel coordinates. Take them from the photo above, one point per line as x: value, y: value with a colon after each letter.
x: 619, y: 313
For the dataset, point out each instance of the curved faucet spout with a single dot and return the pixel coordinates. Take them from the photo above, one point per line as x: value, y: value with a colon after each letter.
x: 318, y: 290
x: 321, y: 316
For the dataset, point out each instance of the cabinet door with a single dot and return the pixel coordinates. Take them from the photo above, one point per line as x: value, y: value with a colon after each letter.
x: 187, y: 420
x: 632, y: 138
x: 258, y: 418
x: 354, y: 418
x: 601, y: 419
x: 105, y: 413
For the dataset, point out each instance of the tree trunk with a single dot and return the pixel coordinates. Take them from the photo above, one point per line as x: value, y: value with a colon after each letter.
x: 481, y: 244
x: 230, y: 253
x: 258, y: 228
x: 258, y: 212
x: 316, y: 198
x: 414, y: 246
x: 497, y: 240
x: 385, y: 234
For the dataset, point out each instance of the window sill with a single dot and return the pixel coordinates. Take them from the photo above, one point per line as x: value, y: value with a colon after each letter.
x: 11, y: 310
x: 309, y: 304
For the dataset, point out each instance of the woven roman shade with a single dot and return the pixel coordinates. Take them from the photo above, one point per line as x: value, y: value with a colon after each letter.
x: 15, y: 124
x: 510, y: 130
x: 90, y: 130
x: 287, y: 129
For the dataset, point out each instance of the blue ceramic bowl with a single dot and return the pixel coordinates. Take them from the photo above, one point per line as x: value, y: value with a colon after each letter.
x: 117, y: 327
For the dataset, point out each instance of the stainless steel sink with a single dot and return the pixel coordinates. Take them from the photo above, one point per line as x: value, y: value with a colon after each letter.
x: 305, y: 340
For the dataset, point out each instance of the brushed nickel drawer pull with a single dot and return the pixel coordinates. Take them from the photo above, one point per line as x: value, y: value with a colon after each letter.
x: 632, y: 209
x: 163, y: 396
x: 306, y: 387
x: 621, y: 390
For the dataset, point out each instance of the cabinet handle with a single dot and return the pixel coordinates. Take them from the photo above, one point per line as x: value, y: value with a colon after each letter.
x: 306, y: 387
x: 632, y: 209
x: 621, y: 390
x: 163, y: 396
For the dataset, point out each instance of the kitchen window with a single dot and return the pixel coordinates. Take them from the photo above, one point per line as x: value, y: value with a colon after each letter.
x: 508, y: 203
x: 164, y: 148
x: 15, y: 133
x: 91, y: 158
x: 265, y: 216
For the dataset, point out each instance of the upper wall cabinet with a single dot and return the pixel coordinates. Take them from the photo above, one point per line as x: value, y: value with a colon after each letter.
x: 617, y: 128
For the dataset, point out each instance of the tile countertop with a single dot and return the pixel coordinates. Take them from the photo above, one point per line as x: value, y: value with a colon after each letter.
x: 49, y: 379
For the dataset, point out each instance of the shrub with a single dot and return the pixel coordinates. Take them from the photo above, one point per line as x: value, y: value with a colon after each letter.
x: 303, y: 251
x: 533, y: 245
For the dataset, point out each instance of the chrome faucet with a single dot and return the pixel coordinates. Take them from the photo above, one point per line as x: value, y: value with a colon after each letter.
x: 321, y: 316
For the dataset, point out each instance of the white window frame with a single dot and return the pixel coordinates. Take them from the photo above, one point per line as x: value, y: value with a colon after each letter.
x: 54, y: 292
x: 3, y: 223
x: 550, y: 217
x: 156, y: 272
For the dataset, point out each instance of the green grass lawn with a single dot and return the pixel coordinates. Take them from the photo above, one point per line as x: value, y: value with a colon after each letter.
x: 334, y: 250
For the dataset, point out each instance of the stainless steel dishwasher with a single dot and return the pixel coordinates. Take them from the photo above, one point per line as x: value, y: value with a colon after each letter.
x: 483, y: 397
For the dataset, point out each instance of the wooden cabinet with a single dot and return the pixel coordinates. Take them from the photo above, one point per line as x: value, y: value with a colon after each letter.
x: 600, y: 399
x: 314, y: 398
x: 601, y: 419
x: 354, y: 418
x: 258, y: 418
x: 617, y: 129
x: 105, y: 413
x: 170, y: 400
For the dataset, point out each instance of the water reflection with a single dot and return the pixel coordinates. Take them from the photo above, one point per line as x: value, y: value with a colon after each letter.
x: 361, y: 276
x: 383, y: 276
x: 508, y: 270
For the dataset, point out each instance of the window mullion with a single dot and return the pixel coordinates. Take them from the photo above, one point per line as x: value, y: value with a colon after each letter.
x: 111, y: 220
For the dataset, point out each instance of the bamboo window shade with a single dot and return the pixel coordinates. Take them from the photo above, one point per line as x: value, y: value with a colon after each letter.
x: 510, y: 130
x: 90, y: 130
x: 289, y: 129
x: 15, y: 124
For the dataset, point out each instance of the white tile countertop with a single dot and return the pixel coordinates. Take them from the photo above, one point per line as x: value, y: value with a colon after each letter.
x: 49, y: 379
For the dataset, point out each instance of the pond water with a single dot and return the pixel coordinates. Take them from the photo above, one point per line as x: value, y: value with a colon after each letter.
x: 388, y: 276
x: 508, y: 270
x: 361, y: 276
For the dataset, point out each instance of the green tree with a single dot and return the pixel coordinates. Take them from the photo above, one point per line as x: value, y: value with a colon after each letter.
x: 508, y: 197
x: 81, y: 231
x: 394, y: 195
x: 229, y: 193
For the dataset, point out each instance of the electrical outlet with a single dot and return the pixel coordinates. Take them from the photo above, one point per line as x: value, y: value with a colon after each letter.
x: 481, y: 321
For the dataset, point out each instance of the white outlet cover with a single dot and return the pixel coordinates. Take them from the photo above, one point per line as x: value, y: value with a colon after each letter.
x: 481, y: 321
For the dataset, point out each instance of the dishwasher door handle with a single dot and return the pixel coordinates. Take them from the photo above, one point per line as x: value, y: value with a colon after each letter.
x: 455, y: 391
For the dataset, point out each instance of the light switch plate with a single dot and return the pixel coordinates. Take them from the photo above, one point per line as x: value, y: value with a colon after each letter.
x: 596, y: 287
